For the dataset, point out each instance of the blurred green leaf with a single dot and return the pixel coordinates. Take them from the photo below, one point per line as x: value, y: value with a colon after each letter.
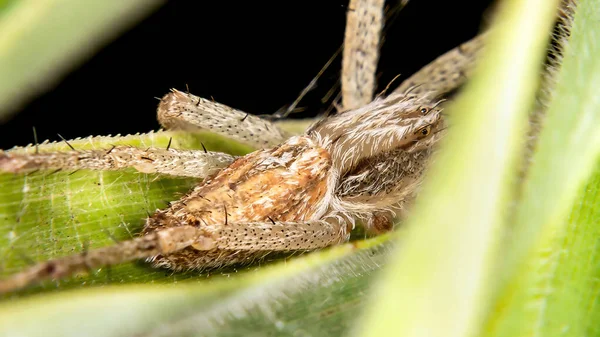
x: 42, y: 39
x: 550, y: 261
x: 445, y: 290
x: 5, y: 3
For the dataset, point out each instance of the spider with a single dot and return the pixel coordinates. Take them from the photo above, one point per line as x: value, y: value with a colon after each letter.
x: 300, y: 193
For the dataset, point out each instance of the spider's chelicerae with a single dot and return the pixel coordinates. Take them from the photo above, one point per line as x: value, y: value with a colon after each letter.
x: 293, y: 194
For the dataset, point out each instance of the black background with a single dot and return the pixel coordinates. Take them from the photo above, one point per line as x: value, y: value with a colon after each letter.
x: 254, y: 56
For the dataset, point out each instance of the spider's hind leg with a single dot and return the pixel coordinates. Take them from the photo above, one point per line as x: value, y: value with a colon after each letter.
x: 180, y: 110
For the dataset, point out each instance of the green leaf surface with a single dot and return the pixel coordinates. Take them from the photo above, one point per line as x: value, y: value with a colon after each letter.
x: 551, y: 262
x: 558, y: 295
x: 5, y: 3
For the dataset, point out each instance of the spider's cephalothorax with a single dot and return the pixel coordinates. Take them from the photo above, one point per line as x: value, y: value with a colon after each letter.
x: 379, y: 153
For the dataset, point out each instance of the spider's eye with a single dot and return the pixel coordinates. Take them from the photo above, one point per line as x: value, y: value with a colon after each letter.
x: 424, y: 111
x: 424, y: 131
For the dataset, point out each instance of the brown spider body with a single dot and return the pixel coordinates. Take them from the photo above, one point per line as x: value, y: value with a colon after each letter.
x: 336, y: 173
x: 303, y: 194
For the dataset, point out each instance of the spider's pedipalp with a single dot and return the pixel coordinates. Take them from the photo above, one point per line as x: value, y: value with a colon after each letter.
x: 381, y: 187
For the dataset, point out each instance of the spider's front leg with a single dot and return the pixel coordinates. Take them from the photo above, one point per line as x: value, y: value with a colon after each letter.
x: 182, y: 163
x: 180, y: 110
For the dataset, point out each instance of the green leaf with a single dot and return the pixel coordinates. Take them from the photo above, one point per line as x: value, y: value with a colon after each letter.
x: 558, y: 295
x: 123, y: 198
x: 445, y: 290
x: 551, y: 261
